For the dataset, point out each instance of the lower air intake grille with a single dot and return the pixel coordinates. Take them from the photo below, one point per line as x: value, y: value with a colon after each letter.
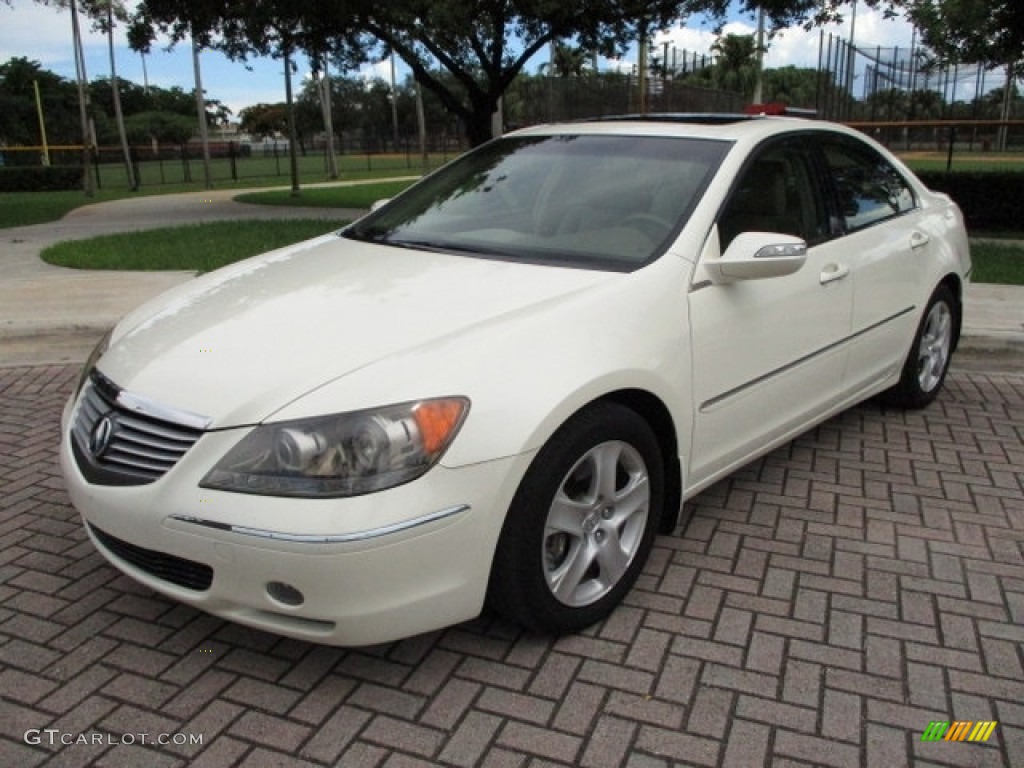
x: 177, y: 570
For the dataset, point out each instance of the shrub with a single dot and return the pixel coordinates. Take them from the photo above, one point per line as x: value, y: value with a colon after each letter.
x: 40, y: 178
x: 989, y: 200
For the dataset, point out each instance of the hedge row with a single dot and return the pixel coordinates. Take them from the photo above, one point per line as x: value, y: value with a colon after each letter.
x: 40, y: 179
x: 990, y: 200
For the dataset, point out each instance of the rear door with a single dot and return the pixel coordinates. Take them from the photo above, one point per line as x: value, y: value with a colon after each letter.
x: 885, y: 246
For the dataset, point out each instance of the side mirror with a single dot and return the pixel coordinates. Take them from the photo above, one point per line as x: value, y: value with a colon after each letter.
x: 758, y: 255
x: 379, y: 204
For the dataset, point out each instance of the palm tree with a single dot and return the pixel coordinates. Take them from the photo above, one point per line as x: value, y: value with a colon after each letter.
x: 107, y: 25
x: 83, y: 100
x: 566, y: 61
x: 735, y: 66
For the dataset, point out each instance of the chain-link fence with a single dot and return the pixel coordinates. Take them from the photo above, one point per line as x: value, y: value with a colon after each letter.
x: 528, y: 101
x: 907, y: 83
x: 237, y: 162
x: 555, y: 99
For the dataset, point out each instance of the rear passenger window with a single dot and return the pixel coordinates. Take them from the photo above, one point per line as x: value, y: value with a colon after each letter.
x: 869, y: 188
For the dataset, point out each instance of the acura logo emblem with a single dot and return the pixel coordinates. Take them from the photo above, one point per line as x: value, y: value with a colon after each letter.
x: 99, y: 438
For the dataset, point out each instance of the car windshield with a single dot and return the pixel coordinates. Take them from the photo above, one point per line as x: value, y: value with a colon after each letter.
x: 592, y: 201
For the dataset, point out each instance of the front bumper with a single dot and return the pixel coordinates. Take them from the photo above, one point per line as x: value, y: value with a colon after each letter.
x: 353, y: 571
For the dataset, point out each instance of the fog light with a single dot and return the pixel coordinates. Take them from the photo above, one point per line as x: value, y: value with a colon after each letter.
x: 285, y: 593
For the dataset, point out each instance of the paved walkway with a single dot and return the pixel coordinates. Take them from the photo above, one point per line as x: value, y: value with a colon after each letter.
x: 52, y: 315
x: 823, y: 606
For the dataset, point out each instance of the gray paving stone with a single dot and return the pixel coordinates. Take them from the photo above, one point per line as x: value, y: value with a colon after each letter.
x: 821, y: 608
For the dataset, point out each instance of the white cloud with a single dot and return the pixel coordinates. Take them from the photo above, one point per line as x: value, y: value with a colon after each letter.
x: 381, y: 70
x: 800, y: 47
x: 693, y: 39
x: 795, y: 46
x: 43, y: 33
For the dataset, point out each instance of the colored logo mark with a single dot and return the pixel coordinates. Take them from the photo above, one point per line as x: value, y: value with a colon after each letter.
x: 959, y: 730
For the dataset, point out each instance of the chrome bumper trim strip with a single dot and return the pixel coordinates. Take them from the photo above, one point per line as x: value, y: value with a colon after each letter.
x: 316, y: 538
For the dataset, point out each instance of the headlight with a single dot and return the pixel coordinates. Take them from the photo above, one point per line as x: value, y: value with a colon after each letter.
x: 345, y: 454
x: 94, y: 356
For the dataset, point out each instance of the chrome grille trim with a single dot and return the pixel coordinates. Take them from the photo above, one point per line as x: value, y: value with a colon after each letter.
x: 142, y: 446
x: 143, y: 405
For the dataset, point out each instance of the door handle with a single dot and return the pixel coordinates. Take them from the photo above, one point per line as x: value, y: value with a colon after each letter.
x: 833, y: 272
x: 918, y: 240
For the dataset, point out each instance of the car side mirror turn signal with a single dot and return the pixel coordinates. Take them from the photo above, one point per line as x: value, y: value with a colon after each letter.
x: 757, y: 255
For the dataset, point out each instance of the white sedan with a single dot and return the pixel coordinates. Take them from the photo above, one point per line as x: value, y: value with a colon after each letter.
x: 499, y: 386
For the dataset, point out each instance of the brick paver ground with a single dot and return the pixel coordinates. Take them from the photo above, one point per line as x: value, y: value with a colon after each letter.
x: 822, y: 607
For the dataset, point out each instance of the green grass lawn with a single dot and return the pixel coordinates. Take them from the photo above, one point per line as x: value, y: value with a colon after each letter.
x: 202, y: 247
x: 964, y: 161
x: 255, y: 169
x: 359, y: 196
x: 198, y: 247
x: 997, y: 263
x: 18, y: 209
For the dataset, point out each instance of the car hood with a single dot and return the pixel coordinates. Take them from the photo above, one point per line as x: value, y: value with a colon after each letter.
x: 243, y: 342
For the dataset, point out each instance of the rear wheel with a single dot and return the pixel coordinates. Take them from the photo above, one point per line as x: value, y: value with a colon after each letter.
x: 925, y: 368
x: 582, y: 522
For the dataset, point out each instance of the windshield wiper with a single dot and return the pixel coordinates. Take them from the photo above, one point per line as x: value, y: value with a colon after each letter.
x: 433, y: 246
x: 367, y: 235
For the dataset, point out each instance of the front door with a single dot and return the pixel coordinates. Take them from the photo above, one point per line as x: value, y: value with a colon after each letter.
x: 768, y: 354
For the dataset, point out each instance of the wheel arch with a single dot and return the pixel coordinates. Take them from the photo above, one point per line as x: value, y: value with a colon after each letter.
x: 514, y: 584
x: 658, y: 417
x: 956, y: 287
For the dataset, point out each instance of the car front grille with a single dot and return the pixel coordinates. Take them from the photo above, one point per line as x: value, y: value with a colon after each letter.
x: 117, y: 441
x: 177, y: 570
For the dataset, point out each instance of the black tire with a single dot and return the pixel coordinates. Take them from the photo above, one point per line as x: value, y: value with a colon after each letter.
x: 928, y: 360
x: 561, y: 567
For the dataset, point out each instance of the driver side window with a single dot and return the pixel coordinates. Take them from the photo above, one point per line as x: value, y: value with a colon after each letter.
x: 775, y: 193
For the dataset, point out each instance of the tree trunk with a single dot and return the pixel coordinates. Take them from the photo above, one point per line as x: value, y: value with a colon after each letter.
x: 478, y: 128
x: 83, y: 102
x: 480, y: 122
x: 759, y: 82
x: 641, y: 68
x: 421, y: 124
x: 325, y: 103
x: 394, y: 107
x: 1007, y: 100
x: 204, y: 135
x: 292, y: 133
x: 115, y: 89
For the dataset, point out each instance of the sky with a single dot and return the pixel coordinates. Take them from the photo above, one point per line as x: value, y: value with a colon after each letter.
x: 42, y: 33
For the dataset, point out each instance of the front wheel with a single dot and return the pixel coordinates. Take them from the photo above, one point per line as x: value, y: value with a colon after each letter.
x: 581, y: 524
x: 926, y: 365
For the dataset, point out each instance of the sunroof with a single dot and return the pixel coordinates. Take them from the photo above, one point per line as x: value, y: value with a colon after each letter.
x: 702, y: 118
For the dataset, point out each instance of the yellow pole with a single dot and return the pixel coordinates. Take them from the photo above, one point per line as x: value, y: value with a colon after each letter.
x: 42, y: 124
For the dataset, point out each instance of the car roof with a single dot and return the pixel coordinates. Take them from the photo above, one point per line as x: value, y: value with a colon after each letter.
x: 718, y: 126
